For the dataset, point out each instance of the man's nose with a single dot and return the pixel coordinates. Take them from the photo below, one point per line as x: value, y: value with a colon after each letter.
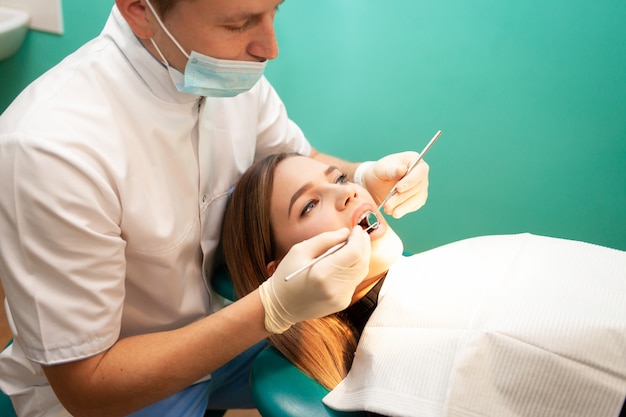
x: 264, y: 44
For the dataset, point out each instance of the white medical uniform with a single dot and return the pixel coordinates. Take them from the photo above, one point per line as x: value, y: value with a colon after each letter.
x: 113, y: 190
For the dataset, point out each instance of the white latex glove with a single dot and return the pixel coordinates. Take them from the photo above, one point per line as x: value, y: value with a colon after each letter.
x: 324, y: 288
x: 380, y: 176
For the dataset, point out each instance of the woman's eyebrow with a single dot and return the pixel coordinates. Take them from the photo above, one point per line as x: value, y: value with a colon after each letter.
x: 305, y: 187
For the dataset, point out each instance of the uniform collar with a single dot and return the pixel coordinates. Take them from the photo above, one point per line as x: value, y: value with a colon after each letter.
x: 149, y: 69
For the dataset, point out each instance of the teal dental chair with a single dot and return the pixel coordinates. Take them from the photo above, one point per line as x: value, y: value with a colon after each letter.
x: 279, y: 389
x: 6, y: 408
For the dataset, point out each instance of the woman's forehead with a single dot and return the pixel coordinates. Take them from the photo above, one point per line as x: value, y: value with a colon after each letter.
x: 298, y: 168
x: 294, y: 174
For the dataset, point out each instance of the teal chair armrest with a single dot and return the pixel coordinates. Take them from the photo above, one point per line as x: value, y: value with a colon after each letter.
x: 6, y: 408
x: 279, y: 389
x: 222, y: 284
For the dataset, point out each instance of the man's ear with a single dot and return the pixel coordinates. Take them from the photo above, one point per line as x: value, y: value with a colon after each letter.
x: 136, y: 13
x: 271, y: 268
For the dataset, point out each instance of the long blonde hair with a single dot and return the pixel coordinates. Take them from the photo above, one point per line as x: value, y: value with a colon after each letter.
x: 322, y: 348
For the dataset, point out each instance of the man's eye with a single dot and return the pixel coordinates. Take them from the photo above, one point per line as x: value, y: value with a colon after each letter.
x: 238, y: 28
x: 310, y: 205
x: 342, y: 179
x: 241, y: 25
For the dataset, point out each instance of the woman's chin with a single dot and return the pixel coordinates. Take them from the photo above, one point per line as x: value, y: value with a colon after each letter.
x: 386, y: 250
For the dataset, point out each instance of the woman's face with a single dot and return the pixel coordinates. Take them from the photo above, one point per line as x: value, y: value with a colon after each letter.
x: 309, y: 197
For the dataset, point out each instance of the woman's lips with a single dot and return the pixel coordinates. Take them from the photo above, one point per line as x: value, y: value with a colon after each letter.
x: 365, y: 216
x: 369, y: 221
x: 360, y: 212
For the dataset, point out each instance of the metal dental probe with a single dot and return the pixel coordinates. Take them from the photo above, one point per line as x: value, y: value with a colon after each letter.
x: 419, y: 158
x: 325, y: 254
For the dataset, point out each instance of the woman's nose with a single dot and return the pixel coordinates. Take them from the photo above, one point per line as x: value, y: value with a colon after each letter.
x: 344, y: 195
x: 264, y: 44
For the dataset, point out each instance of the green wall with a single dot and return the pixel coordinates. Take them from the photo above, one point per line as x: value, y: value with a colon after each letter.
x: 82, y: 20
x: 530, y: 96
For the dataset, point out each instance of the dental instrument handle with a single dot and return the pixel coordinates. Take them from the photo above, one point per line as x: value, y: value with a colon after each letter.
x: 316, y: 260
x: 325, y: 254
x: 413, y: 164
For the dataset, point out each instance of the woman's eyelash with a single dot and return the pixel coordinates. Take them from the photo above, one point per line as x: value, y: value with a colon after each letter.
x: 342, y: 179
x: 308, y: 207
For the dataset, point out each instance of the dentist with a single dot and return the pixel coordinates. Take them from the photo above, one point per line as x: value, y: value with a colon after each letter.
x: 115, y: 169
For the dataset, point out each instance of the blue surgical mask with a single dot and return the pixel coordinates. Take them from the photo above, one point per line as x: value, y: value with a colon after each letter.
x: 208, y: 76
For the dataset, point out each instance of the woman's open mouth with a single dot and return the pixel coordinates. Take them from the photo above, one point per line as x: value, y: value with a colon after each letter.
x: 369, y: 221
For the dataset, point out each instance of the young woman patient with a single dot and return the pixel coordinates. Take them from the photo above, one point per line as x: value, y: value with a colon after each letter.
x: 286, y: 199
x: 491, y: 326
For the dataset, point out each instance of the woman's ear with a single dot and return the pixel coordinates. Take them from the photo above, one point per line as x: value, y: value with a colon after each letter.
x: 135, y: 12
x: 271, y: 268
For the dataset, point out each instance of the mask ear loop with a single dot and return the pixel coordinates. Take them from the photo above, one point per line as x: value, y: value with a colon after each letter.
x: 167, y: 32
x: 163, y: 60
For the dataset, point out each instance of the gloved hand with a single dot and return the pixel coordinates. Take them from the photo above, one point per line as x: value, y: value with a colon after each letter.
x: 324, y: 288
x: 380, y: 176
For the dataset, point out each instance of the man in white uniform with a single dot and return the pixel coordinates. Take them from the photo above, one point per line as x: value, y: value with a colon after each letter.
x: 115, y: 167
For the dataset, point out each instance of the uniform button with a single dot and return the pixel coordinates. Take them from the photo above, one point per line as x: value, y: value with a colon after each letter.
x: 204, y: 198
